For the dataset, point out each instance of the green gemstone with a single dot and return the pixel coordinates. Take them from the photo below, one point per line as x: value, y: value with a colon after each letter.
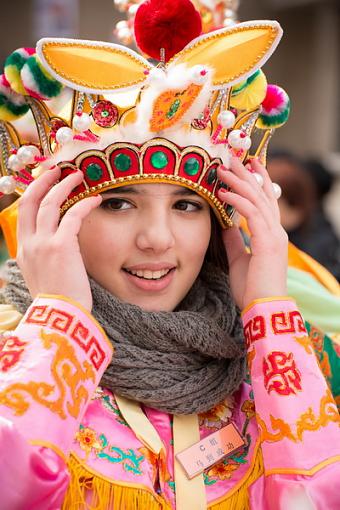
x: 94, y: 172
x: 173, y: 108
x: 211, y: 176
x: 122, y: 162
x: 159, y: 159
x: 191, y: 166
x: 105, y: 113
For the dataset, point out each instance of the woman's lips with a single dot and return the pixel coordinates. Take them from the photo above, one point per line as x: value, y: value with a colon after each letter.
x: 151, y: 285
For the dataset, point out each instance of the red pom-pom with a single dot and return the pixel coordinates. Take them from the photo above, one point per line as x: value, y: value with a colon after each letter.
x: 169, y: 25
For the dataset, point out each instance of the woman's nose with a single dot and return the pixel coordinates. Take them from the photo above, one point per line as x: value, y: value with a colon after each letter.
x: 155, y: 233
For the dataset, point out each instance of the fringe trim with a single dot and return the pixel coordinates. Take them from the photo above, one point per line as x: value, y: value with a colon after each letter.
x: 239, y: 500
x: 89, y: 491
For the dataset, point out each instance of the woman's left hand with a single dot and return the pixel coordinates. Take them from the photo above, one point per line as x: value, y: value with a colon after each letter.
x: 262, y: 273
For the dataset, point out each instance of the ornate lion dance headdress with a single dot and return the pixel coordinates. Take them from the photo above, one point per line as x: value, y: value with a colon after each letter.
x: 197, y: 106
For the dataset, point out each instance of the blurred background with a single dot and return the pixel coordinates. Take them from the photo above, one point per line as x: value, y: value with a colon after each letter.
x: 306, y: 64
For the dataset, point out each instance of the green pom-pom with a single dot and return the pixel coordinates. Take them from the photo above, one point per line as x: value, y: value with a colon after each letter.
x: 12, y: 105
x: 13, y: 65
x: 37, y: 81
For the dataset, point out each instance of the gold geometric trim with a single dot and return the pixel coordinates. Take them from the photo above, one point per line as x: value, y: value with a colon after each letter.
x: 218, y: 207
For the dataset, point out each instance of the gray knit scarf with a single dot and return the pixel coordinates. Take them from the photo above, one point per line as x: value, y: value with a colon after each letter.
x: 181, y: 362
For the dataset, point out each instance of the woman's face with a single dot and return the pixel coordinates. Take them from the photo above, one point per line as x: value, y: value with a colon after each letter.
x: 146, y: 243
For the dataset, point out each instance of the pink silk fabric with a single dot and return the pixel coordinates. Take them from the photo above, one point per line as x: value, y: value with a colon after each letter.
x: 51, y: 406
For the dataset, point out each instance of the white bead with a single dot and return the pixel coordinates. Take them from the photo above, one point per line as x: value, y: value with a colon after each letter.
x: 121, y: 4
x: 81, y: 122
x: 277, y: 190
x: 226, y: 118
x: 14, y: 163
x: 133, y: 9
x: 122, y: 25
x: 258, y: 178
x: 64, y: 135
x: 156, y: 74
x: 7, y: 184
x: 200, y: 75
x: 124, y: 35
x: 27, y: 154
x: 237, y: 140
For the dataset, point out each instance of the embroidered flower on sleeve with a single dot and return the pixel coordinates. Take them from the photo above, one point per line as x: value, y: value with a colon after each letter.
x: 248, y: 407
x: 222, y: 471
x: 87, y: 440
x: 218, y: 416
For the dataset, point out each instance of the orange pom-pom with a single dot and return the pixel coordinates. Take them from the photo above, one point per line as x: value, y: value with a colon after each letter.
x: 169, y: 25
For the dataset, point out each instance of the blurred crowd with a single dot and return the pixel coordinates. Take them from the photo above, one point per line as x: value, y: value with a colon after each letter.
x: 305, y: 185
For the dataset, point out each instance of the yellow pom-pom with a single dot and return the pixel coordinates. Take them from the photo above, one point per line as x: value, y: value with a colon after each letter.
x: 250, y: 93
x: 13, y: 65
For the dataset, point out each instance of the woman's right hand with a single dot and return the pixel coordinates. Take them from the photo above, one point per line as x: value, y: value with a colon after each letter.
x: 48, y: 250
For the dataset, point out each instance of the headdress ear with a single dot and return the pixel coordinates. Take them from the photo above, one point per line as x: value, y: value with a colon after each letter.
x: 234, y: 53
x: 92, y: 66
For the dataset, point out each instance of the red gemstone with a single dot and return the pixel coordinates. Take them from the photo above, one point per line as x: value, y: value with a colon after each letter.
x: 56, y: 124
x: 105, y: 113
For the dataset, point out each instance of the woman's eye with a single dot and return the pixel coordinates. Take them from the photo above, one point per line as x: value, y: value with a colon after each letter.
x: 116, y: 204
x: 185, y: 205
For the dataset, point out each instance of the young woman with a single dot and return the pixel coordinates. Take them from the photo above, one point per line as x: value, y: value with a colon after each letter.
x: 123, y: 384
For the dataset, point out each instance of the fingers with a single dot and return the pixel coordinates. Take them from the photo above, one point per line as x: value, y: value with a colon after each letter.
x: 48, y: 215
x: 233, y: 243
x: 29, y: 203
x: 256, y: 221
x: 267, y: 183
x: 71, y: 222
x: 244, y: 186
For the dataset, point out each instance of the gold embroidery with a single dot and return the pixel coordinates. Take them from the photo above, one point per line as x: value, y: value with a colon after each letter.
x: 66, y: 395
x: 251, y: 356
x: 170, y: 106
x: 67, y: 323
x: 328, y: 413
x: 305, y: 342
x: 325, y: 365
x: 307, y: 421
x: 280, y: 428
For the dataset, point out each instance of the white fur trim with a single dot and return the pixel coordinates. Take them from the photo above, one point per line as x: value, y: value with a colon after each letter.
x: 28, y: 80
x: 11, y: 95
x: 177, y: 77
x: 84, y: 42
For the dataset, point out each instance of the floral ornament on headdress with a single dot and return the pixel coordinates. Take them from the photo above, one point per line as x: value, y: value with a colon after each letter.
x: 198, y: 106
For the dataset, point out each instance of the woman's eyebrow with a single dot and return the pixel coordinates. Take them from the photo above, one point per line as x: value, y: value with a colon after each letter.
x: 123, y: 189
x: 135, y: 190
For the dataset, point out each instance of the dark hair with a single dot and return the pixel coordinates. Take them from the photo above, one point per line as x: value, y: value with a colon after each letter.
x: 322, y: 178
x: 298, y: 186
x: 216, y: 253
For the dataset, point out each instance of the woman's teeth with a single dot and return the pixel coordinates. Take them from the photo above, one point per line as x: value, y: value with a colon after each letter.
x: 149, y: 275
